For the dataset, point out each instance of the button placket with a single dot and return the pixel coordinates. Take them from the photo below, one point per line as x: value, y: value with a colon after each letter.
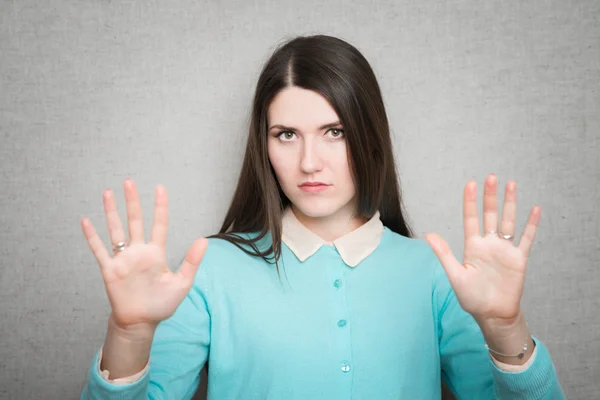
x: 342, y: 322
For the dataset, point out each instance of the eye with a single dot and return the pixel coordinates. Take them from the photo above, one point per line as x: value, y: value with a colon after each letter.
x: 336, y: 133
x: 286, y: 136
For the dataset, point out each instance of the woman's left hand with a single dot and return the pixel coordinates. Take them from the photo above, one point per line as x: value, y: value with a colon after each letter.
x: 489, y: 283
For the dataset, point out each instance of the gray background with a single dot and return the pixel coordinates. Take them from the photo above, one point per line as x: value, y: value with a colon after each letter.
x: 92, y: 92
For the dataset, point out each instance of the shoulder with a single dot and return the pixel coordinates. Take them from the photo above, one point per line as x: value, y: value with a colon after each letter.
x: 223, y: 255
x: 415, y: 253
x: 223, y: 250
x: 406, y: 248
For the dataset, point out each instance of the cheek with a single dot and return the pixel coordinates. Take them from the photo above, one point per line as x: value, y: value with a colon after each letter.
x: 346, y: 178
x: 349, y: 179
x: 341, y: 166
x: 280, y: 163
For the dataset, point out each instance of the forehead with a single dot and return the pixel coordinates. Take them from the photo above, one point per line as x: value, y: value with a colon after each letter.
x: 301, y: 108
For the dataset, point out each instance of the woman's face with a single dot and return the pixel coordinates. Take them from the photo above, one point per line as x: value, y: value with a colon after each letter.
x: 307, y: 149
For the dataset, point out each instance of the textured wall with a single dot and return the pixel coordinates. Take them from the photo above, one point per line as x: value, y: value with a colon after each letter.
x: 92, y: 92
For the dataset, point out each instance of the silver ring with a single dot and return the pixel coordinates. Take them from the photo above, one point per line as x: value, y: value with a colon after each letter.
x: 507, y: 237
x: 120, y: 247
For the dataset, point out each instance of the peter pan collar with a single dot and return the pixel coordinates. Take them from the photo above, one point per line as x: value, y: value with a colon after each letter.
x: 353, y: 247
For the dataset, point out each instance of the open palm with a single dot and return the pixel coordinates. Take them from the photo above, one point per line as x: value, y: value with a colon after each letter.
x: 489, y: 282
x: 141, y: 288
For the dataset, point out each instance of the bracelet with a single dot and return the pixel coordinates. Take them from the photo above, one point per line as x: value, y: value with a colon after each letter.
x: 520, y: 355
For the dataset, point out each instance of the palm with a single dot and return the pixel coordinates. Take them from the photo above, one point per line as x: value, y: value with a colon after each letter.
x: 493, y: 278
x: 140, y: 286
x: 489, y: 282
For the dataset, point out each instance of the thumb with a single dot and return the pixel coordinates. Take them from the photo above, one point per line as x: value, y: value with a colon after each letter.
x: 445, y: 255
x: 192, y: 260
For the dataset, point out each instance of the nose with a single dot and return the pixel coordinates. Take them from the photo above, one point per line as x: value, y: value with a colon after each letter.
x: 311, y: 160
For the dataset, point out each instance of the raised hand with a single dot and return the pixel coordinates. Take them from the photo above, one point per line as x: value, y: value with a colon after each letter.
x: 489, y: 282
x: 141, y: 288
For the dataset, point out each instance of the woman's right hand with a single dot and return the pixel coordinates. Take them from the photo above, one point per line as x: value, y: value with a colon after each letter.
x: 141, y: 288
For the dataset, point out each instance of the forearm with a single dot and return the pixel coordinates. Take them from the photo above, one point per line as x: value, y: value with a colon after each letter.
x: 126, y: 353
x: 508, y: 337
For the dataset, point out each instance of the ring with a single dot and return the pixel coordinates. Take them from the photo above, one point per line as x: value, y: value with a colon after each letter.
x: 507, y: 237
x: 120, y: 247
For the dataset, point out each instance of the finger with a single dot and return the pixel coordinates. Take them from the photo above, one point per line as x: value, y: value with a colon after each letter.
x: 95, y: 243
x: 530, y: 230
x: 509, y: 212
x: 194, y: 256
x: 161, y: 217
x: 135, y: 220
x: 441, y: 249
x: 490, y: 204
x: 471, y: 221
x: 113, y: 221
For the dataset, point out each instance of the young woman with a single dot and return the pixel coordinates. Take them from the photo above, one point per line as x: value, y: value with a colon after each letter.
x: 314, y: 287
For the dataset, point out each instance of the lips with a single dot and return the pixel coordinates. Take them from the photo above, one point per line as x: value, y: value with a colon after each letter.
x: 313, y: 184
x: 314, y: 187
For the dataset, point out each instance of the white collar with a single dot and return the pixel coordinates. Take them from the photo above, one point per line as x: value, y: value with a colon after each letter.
x: 353, y: 247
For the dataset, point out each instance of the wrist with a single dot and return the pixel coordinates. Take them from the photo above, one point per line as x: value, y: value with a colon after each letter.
x: 508, y: 337
x: 126, y: 351
x: 141, y: 332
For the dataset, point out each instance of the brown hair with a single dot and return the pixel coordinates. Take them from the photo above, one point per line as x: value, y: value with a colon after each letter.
x: 339, y: 72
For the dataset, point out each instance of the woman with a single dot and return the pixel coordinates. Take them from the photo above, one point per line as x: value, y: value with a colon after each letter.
x: 314, y: 288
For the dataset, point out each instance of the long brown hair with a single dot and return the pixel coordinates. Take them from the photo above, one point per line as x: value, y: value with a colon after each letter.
x: 339, y: 72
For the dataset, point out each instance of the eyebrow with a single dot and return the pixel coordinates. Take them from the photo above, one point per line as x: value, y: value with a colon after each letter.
x: 326, y: 126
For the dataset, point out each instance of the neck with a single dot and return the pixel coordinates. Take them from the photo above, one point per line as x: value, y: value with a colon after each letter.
x: 330, y: 227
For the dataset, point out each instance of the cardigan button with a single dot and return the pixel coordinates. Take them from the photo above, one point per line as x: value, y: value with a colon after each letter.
x: 337, y: 283
x: 346, y: 367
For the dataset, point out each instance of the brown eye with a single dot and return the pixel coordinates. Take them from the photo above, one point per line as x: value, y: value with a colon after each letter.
x: 286, y: 135
x: 336, y: 133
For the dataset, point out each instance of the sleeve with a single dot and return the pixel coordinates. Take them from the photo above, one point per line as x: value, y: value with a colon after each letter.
x: 515, y: 368
x: 468, y: 368
x: 179, y: 351
x: 120, y: 381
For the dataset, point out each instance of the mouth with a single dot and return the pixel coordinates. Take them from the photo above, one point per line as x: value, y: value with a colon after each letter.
x: 314, y: 187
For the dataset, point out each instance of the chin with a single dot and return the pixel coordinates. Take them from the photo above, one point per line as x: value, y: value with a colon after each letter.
x: 318, y: 208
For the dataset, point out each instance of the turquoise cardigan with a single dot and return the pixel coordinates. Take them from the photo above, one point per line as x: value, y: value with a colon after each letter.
x: 391, y: 328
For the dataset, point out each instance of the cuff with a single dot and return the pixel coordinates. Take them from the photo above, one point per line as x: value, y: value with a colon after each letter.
x: 515, y: 368
x: 120, y: 381
x: 99, y: 388
x: 532, y: 383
